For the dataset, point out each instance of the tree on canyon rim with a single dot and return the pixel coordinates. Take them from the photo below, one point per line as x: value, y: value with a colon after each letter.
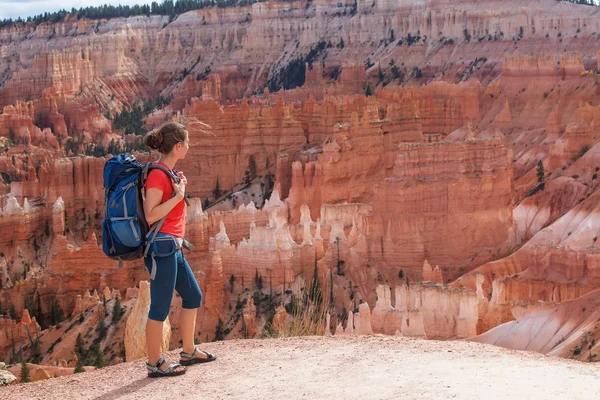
x: 25, y: 372
x: 78, y: 367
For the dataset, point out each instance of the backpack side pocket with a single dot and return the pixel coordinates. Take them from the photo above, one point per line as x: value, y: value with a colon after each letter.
x: 127, y: 231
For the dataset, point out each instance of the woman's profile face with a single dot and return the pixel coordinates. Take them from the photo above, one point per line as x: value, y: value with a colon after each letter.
x: 182, y: 147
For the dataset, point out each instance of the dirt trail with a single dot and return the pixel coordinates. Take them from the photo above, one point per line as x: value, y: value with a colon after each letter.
x: 357, y: 367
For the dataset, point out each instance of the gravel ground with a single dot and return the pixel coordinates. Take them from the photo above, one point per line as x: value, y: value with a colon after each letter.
x: 345, y: 367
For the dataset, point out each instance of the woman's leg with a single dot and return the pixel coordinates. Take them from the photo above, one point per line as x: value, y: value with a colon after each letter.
x: 191, y: 296
x: 154, y: 337
x: 187, y: 322
x: 161, y: 296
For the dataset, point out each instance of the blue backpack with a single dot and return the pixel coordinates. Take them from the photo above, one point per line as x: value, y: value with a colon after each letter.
x: 125, y: 232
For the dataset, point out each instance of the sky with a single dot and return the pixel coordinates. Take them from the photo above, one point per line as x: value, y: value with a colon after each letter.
x: 25, y: 8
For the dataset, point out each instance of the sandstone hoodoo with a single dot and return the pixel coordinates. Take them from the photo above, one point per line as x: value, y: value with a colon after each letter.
x: 427, y: 170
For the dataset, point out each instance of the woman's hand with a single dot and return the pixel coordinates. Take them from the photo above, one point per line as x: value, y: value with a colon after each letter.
x: 179, y: 188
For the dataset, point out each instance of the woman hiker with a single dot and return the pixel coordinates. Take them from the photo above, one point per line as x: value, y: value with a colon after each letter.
x: 165, y: 261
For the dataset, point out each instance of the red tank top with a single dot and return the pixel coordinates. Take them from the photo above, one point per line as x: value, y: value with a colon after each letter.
x: 175, y: 221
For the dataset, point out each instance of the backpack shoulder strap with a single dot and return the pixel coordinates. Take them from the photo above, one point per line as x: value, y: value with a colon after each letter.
x: 166, y: 170
x: 170, y: 174
x: 152, y: 234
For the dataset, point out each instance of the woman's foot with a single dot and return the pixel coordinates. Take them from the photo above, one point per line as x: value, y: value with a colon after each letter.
x: 162, y: 369
x: 196, y: 357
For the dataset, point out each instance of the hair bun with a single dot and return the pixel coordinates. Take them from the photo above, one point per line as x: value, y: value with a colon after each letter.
x: 154, y: 139
x: 159, y: 137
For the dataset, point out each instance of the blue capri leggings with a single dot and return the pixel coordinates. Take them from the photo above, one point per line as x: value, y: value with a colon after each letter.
x: 169, y: 271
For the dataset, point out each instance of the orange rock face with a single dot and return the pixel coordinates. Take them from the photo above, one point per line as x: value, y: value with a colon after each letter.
x: 427, y: 195
x: 432, y: 274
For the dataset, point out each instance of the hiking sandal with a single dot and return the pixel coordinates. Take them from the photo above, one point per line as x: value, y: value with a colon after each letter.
x: 154, y: 371
x: 192, y: 359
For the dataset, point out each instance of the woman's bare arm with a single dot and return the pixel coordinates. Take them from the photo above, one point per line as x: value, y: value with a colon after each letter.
x: 153, y: 209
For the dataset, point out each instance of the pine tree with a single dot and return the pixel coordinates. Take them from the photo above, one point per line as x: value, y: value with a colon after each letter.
x: 117, y: 311
x: 79, y: 367
x: 12, y: 344
x: 52, y: 313
x: 217, y: 190
x: 331, y: 297
x: 25, y: 372
x: 540, y: 174
x: 258, y: 280
x: 36, y: 354
x: 340, y: 262
x: 368, y: 90
x: 418, y: 73
x: 79, y: 347
x: 55, y: 314
x: 99, y: 358
x: 231, y: 281
x: 101, y: 328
